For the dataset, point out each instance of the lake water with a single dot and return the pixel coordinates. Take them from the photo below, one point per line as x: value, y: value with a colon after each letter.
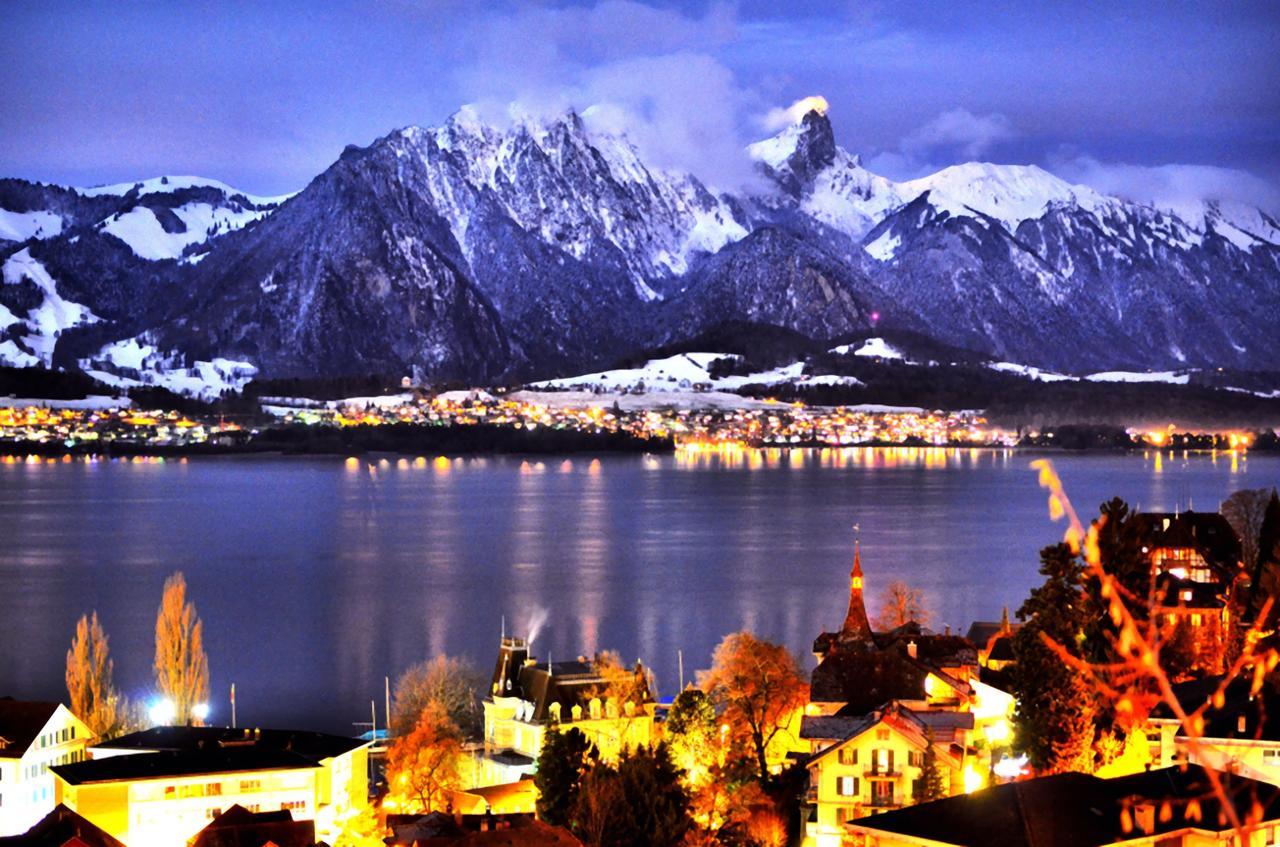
x: 317, y: 577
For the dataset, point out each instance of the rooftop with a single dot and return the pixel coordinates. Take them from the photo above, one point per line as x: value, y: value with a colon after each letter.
x: 313, y: 745
x: 20, y: 724
x: 167, y: 764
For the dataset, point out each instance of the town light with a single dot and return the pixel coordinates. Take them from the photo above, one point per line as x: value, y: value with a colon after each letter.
x: 200, y: 711
x: 972, y: 779
x: 162, y: 712
x: 1011, y: 768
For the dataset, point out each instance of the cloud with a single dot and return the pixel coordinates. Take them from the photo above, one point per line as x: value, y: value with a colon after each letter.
x: 959, y: 129
x: 1168, y: 185
x: 777, y: 117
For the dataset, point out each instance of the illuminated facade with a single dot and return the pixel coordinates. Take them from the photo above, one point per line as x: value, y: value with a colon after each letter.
x: 527, y: 697
x: 162, y: 786
x: 865, y: 765
x: 34, y: 737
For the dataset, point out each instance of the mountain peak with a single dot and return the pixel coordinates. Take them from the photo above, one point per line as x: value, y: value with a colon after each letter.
x: 801, y: 150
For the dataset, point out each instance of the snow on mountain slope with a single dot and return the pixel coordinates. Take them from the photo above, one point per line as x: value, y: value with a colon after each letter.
x: 688, y: 371
x: 19, y: 226
x: 1010, y: 194
x: 33, y: 332
x: 134, y: 362
x: 149, y: 239
x: 170, y: 184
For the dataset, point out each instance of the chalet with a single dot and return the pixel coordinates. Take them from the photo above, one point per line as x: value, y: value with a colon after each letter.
x: 1170, y: 807
x: 34, y: 737
x: 867, y: 764
x: 1196, y: 561
x: 527, y: 697
x: 165, y: 784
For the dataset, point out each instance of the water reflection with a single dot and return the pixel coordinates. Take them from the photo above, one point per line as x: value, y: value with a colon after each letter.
x: 317, y: 577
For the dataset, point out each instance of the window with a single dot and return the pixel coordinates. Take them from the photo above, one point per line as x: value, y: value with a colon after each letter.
x: 594, y: 707
x: 882, y: 735
x: 210, y: 814
x: 293, y: 805
x: 248, y: 786
x: 844, y: 814
x: 170, y: 791
x: 847, y: 786
x: 848, y: 755
x: 916, y: 760
x: 1271, y: 758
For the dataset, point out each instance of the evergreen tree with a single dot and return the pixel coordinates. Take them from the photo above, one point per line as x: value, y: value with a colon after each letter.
x: 1266, y: 576
x: 640, y: 803
x: 1054, y: 714
x: 931, y: 786
x: 563, y: 762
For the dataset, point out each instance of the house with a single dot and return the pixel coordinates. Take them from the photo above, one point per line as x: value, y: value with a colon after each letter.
x: 860, y: 670
x: 1196, y: 560
x: 61, y: 828
x: 239, y: 827
x: 163, y: 785
x: 34, y: 736
x: 994, y: 640
x: 527, y: 697
x: 1170, y: 807
x: 1237, y: 736
x: 438, y: 829
x: 862, y: 765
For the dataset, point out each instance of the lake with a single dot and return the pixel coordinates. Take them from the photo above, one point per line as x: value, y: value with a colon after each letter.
x: 317, y: 577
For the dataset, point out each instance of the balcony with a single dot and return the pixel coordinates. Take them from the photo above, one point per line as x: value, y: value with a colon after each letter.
x: 881, y: 772
x: 886, y: 801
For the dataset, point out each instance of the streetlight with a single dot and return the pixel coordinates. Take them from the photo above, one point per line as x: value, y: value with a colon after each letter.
x: 162, y: 712
x: 200, y: 711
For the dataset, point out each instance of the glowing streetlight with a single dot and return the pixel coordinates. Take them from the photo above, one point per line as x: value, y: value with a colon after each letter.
x: 200, y: 711
x: 162, y: 712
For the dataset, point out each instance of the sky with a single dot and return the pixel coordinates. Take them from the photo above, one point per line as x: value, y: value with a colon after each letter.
x: 1158, y: 101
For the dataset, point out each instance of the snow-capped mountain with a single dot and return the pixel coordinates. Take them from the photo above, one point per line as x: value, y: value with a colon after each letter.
x: 550, y: 246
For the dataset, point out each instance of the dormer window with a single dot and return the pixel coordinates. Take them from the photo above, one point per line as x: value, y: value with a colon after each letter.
x: 611, y: 708
x: 554, y: 711
x: 576, y: 711
x: 594, y: 708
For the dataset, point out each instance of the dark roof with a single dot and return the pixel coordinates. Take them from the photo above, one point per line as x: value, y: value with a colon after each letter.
x: 313, y: 745
x: 59, y: 827
x: 1073, y: 809
x: 569, y: 683
x: 438, y: 829
x: 864, y: 681
x: 188, y: 763
x: 1001, y: 649
x: 239, y: 827
x: 20, y: 724
x: 1208, y: 532
x: 980, y: 632
x: 1236, y: 704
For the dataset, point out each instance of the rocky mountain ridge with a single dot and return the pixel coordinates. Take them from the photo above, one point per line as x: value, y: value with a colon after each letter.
x: 550, y: 247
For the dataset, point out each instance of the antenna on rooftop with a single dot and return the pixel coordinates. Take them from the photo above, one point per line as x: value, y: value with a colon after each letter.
x: 504, y: 626
x: 680, y: 660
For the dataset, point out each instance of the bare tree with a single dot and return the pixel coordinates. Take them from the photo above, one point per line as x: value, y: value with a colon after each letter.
x: 902, y: 604
x: 1245, y: 511
x: 182, y: 668
x: 444, y: 680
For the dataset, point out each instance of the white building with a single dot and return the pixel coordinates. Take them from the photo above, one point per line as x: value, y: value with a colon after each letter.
x: 162, y: 786
x: 34, y: 737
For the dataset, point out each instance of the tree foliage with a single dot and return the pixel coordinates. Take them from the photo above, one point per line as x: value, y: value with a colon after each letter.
x: 1053, y: 720
x: 425, y: 764
x: 637, y: 803
x: 758, y: 687
x: 444, y: 680
x: 902, y: 604
x: 1246, y: 510
x: 181, y: 666
x: 931, y: 784
x: 563, y: 762
x: 92, y: 695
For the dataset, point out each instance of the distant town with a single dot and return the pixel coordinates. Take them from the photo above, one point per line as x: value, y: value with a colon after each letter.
x: 1126, y: 701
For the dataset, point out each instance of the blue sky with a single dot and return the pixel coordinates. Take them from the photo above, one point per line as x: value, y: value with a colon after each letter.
x: 1146, y: 99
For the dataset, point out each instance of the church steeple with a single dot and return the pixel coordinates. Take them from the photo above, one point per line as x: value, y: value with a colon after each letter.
x: 856, y: 625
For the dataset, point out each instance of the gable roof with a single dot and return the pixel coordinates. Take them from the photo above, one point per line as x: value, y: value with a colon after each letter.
x: 1208, y: 532
x: 163, y: 765
x: 893, y: 716
x: 312, y: 745
x: 20, y: 724
x: 59, y: 828
x: 239, y: 827
x: 1072, y: 809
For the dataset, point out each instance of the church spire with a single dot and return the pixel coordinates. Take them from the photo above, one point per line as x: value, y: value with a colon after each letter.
x: 856, y: 625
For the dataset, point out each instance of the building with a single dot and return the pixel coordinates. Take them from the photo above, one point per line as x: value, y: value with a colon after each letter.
x: 1196, y: 560
x: 438, y: 829
x: 34, y: 737
x: 61, y: 828
x: 1237, y: 736
x: 868, y: 764
x: 163, y: 785
x: 1169, y: 807
x: 239, y: 827
x: 527, y: 697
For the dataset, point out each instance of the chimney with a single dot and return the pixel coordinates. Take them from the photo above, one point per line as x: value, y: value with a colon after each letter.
x: 911, y: 649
